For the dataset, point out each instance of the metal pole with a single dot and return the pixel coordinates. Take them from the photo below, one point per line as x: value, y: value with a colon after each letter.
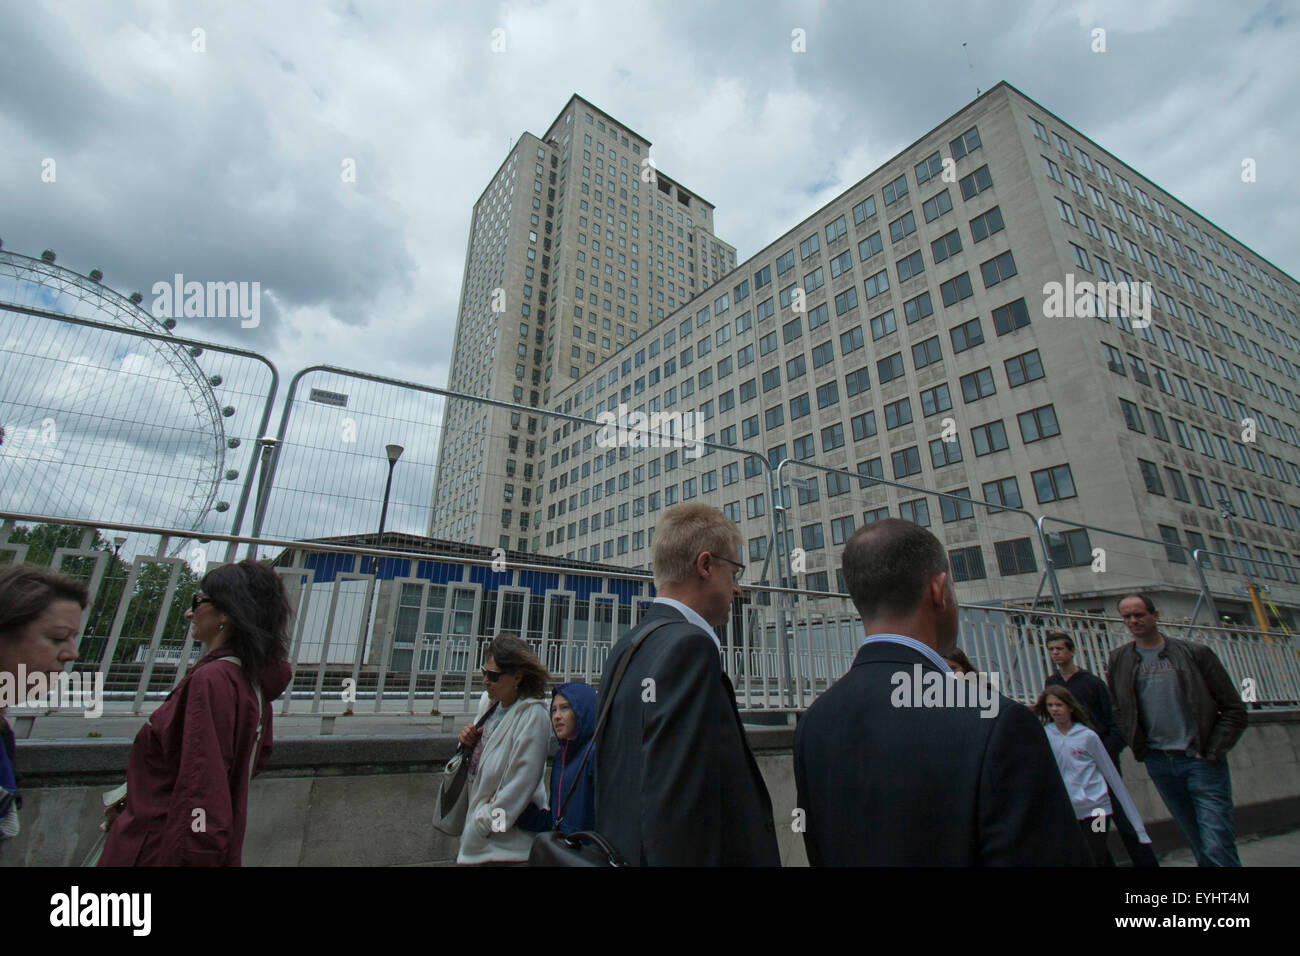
x: 264, y: 466
x: 1051, y: 565
x: 394, y: 453
x: 383, y: 513
x: 782, y: 566
x: 1205, y: 595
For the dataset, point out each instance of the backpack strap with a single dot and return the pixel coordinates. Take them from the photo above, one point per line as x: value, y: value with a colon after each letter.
x: 605, y: 709
x: 257, y: 739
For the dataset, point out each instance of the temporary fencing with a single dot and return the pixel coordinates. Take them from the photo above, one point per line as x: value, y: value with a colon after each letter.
x: 437, y: 607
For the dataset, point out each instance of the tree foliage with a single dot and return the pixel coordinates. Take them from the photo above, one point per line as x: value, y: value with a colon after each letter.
x: 145, y: 600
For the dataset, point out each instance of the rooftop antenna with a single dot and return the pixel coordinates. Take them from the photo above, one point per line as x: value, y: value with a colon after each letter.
x: 972, y: 69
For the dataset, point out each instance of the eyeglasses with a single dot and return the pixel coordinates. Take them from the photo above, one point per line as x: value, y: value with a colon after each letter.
x: 492, y: 677
x: 740, y: 568
x: 199, y: 599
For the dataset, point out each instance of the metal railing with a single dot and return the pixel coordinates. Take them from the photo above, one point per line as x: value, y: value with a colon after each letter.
x: 437, y: 608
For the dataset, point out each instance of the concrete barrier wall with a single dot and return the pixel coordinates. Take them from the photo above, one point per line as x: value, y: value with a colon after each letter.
x: 354, y: 800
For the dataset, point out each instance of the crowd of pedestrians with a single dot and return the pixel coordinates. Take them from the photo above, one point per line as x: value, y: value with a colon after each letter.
x: 668, y: 778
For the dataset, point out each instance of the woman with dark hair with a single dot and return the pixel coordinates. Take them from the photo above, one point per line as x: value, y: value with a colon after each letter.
x: 192, y: 762
x: 1086, y: 769
x: 40, y: 620
x: 959, y: 662
x: 508, y: 760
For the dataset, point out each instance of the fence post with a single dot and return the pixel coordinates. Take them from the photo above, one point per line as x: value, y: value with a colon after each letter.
x: 782, y: 564
x: 1205, y: 594
x: 1057, y: 602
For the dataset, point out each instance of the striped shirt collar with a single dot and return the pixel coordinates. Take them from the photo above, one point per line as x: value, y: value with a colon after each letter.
x: 930, y: 653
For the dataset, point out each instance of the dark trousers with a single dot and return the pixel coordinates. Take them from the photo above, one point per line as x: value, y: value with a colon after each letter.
x: 1096, y: 841
x: 1140, y: 854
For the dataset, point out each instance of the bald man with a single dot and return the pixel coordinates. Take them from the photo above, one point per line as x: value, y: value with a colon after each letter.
x: 888, y: 776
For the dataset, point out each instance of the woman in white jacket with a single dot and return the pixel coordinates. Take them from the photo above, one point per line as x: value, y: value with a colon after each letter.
x: 508, y: 759
x: 1086, y: 769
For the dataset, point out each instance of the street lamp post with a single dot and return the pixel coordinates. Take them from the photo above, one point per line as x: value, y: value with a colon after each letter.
x: 394, y: 452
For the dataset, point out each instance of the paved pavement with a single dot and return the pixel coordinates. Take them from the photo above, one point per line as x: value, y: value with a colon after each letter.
x: 1272, y: 850
x: 1277, y: 850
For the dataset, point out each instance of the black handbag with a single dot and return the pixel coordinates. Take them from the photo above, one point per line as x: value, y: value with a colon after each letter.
x: 585, y: 848
x: 453, y: 801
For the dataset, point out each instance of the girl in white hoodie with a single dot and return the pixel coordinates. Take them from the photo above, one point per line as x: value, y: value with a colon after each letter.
x: 507, y: 756
x: 1086, y: 769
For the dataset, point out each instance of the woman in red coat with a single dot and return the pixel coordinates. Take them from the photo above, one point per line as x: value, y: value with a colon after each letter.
x: 189, y: 769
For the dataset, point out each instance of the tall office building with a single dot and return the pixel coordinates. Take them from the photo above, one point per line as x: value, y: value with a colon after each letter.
x: 938, y: 324
x: 577, y: 247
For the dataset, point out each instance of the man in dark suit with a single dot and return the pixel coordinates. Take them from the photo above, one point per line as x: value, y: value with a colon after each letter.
x: 887, y: 776
x: 676, y: 783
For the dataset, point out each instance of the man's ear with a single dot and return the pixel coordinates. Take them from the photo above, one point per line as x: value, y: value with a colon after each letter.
x: 703, y: 563
x: 937, y: 590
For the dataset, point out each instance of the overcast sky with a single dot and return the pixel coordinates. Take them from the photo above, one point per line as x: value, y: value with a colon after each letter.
x: 225, y: 164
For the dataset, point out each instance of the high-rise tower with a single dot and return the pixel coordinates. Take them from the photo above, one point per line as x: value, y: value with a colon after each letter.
x: 578, y: 245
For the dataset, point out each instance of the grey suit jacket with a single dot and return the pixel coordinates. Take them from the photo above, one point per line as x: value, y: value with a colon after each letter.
x: 676, y: 782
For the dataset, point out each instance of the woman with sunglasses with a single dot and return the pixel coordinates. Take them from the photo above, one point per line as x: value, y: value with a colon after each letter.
x: 193, y: 760
x: 508, y: 760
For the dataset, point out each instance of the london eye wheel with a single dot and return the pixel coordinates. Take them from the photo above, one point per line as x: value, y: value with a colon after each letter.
x: 102, y: 425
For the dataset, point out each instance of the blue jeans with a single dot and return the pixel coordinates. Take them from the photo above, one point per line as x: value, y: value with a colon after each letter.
x: 1198, y: 794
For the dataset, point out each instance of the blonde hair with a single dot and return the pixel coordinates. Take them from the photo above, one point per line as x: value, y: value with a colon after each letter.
x: 683, y: 533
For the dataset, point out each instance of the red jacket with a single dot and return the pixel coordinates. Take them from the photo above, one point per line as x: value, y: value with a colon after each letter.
x: 192, y: 755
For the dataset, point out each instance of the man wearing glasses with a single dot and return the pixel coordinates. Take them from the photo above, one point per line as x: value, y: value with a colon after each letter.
x: 676, y: 782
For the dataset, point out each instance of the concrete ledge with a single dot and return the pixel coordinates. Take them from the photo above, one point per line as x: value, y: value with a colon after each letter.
x: 62, y: 762
x: 367, y: 800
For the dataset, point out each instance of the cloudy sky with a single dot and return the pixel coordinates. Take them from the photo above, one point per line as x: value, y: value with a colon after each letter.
x: 224, y: 163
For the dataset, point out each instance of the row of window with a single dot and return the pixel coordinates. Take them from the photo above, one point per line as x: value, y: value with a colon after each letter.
x: 1173, y: 218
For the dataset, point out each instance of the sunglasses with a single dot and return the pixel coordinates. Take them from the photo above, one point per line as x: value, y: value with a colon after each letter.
x: 199, y: 599
x: 492, y: 677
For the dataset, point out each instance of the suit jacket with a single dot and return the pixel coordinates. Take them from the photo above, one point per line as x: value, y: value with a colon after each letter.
x: 927, y: 786
x: 676, y: 782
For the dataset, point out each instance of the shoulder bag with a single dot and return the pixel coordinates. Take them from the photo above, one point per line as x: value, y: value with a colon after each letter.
x: 453, y: 797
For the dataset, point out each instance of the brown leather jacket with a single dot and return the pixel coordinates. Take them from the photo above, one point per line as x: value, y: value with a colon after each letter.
x: 1209, y: 693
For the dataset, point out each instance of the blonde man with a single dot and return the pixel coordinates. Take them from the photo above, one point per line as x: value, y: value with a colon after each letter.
x: 676, y: 783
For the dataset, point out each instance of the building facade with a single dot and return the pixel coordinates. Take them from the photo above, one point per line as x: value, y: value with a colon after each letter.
x: 577, y: 247
x: 956, y: 322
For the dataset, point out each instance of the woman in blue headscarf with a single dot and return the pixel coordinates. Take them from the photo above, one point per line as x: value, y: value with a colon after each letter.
x: 573, y: 718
